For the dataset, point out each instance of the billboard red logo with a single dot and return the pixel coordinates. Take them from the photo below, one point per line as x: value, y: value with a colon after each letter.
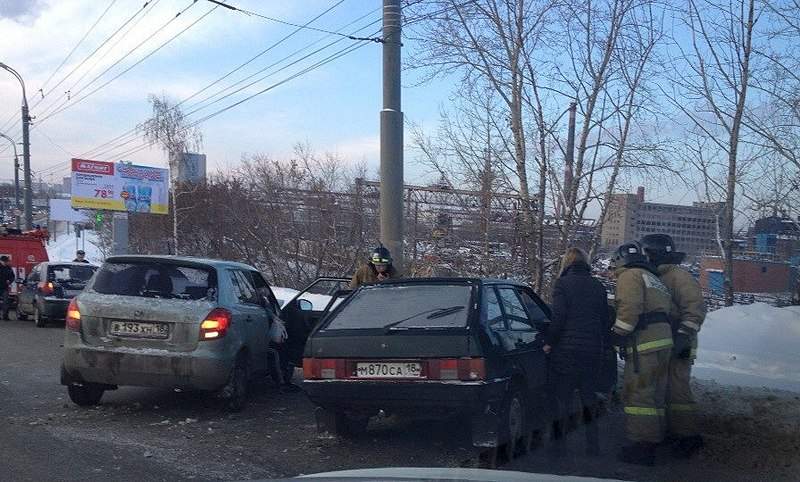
x: 93, y: 167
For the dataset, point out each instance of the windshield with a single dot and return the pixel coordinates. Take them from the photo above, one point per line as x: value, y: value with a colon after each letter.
x: 405, y: 306
x: 75, y: 274
x: 152, y: 279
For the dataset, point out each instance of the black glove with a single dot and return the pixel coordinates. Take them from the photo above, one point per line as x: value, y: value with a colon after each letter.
x: 619, y: 341
x: 682, y: 345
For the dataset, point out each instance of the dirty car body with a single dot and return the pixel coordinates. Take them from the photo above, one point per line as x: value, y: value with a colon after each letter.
x: 450, y: 346
x: 171, y: 322
x: 46, y: 292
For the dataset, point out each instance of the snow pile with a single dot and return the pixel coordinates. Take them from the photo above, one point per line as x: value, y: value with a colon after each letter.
x: 65, y: 245
x: 284, y: 295
x: 751, y: 345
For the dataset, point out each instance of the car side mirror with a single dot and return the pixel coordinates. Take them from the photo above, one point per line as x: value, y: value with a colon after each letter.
x: 305, y: 305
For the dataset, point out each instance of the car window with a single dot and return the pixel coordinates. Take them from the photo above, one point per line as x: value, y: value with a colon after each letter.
x: 263, y: 290
x: 535, y: 312
x: 493, y: 313
x: 405, y: 306
x: 66, y: 272
x: 154, y: 279
x: 515, y: 313
x: 243, y: 288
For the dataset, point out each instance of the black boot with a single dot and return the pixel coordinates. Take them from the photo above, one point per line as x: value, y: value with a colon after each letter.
x: 592, y: 433
x: 558, y: 444
x: 639, y: 453
x: 686, y: 447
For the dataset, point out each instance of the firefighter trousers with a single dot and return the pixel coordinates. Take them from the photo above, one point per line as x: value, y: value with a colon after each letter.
x: 680, y: 402
x: 644, y: 395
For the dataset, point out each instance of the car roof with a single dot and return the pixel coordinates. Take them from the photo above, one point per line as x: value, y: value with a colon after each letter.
x: 67, y: 263
x: 213, y: 263
x: 452, y: 279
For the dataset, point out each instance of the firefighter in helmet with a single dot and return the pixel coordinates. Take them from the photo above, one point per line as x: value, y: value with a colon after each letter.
x: 688, y: 313
x: 643, y: 334
x: 377, y: 269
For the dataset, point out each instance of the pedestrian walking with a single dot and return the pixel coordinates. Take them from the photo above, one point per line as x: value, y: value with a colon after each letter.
x: 575, y: 343
x: 7, y: 278
x: 378, y: 268
x: 643, y: 333
x: 688, y: 313
x: 80, y: 257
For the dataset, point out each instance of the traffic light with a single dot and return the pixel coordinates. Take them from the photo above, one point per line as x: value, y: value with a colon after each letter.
x: 98, y: 220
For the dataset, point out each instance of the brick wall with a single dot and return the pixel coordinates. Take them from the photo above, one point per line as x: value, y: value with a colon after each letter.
x: 750, y: 276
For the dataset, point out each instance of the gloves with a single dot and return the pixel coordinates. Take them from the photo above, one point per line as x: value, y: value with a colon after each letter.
x: 620, y: 342
x: 682, y: 345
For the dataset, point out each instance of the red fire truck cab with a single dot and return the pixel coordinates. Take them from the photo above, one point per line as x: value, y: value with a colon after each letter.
x: 25, y: 250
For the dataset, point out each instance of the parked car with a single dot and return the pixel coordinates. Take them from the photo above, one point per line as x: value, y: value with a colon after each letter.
x: 46, y: 292
x: 470, y: 347
x: 172, y: 322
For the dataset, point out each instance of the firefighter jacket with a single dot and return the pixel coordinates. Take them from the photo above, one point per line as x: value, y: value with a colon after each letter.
x: 368, y: 274
x: 643, y: 307
x: 689, y: 307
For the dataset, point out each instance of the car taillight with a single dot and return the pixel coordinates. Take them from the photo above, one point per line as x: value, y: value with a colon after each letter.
x: 324, y: 368
x: 73, y: 316
x: 465, y: 369
x: 46, y: 287
x: 215, y: 324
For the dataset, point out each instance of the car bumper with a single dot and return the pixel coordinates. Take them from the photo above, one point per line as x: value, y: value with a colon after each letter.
x: 403, y: 395
x: 54, y: 308
x: 145, y: 368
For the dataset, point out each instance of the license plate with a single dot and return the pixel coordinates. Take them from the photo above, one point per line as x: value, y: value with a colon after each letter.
x: 139, y: 330
x: 388, y: 370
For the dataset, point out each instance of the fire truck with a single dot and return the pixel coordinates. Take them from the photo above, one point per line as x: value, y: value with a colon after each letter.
x: 25, y: 249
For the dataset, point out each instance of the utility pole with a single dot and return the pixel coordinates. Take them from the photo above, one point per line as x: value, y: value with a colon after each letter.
x: 391, y: 194
x: 26, y: 148
x: 569, y: 160
x: 16, y: 177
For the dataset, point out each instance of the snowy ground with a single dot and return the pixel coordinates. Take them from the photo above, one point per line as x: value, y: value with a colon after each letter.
x: 751, y: 345
x: 63, y: 247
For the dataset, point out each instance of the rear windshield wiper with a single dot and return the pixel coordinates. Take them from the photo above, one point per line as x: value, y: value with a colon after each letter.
x: 432, y: 313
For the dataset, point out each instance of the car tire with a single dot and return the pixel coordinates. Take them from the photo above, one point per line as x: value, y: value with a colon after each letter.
x: 38, y: 318
x: 85, y: 395
x: 21, y: 316
x: 515, y: 424
x: 347, y: 426
x: 235, y: 392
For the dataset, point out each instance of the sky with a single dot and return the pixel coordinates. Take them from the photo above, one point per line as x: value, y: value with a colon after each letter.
x: 334, y: 108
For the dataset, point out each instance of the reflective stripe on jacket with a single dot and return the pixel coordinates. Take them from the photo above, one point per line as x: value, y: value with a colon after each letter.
x: 639, y: 293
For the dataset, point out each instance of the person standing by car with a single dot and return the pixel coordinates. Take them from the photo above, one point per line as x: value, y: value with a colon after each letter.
x: 7, y: 278
x: 575, y: 343
x: 80, y: 257
x: 378, y: 268
x: 689, y: 311
x: 643, y: 331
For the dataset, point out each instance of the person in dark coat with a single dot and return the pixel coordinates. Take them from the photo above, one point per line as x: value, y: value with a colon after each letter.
x: 7, y: 278
x: 576, y: 343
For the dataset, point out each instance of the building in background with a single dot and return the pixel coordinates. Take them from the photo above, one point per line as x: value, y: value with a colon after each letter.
x: 693, y: 228
x: 192, y: 168
x: 777, y: 236
x: 750, y: 275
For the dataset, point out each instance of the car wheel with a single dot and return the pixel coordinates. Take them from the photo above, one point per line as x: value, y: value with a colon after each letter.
x: 347, y: 426
x: 85, y: 395
x: 39, y: 320
x: 21, y: 316
x: 515, y: 424
x: 235, y: 392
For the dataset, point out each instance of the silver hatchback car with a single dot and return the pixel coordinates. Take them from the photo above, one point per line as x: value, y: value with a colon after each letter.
x: 171, y: 322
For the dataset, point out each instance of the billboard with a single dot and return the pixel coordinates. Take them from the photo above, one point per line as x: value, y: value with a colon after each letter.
x: 61, y: 210
x: 119, y: 187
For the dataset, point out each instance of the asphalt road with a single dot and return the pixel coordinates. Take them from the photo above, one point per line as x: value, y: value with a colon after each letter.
x: 142, y: 434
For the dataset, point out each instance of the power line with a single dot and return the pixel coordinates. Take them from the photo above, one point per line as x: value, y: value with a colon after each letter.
x: 342, y: 52
x: 103, y: 149
x: 284, y: 22
x: 62, y: 107
x: 76, y: 46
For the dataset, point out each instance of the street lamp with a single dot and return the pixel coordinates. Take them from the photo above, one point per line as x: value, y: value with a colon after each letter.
x: 16, y: 177
x: 26, y: 148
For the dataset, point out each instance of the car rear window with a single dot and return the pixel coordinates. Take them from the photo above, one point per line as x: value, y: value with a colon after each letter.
x: 155, y: 280
x: 72, y: 273
x: 405, y: 306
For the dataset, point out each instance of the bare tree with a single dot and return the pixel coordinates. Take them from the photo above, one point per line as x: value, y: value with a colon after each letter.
x: 715, y: 74
x: 169, y: 129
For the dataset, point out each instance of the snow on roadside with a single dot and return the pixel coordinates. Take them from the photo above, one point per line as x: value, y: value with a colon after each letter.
x: 64, y: 246
x: 751, y: 345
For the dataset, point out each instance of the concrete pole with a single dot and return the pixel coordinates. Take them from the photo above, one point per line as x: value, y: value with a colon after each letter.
x: 391, y: 194
x: 26, y: 163
x: 119, y: 234
x: 16, y: 175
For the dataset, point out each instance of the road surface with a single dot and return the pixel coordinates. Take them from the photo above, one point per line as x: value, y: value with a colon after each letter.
x: 142, y: 434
